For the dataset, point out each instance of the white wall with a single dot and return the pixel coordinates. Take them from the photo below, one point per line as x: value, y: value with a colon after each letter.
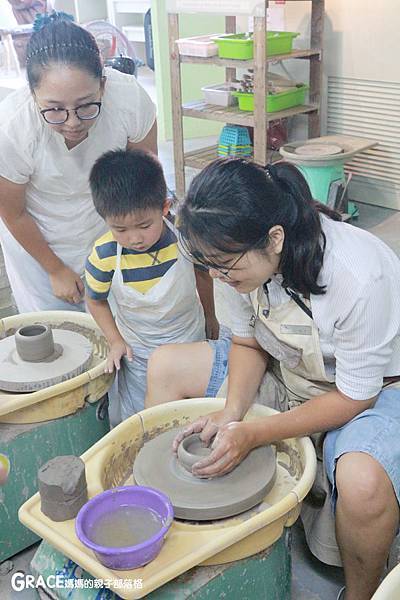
x: 361, y: 54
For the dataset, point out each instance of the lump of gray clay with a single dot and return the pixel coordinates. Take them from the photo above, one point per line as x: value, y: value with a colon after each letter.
x: 62, y: 487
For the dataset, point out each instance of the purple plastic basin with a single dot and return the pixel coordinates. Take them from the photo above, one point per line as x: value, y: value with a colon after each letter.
x: 127, y: 557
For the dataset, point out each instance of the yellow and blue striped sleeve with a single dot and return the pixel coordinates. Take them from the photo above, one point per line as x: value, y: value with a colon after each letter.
x: 100, y: 267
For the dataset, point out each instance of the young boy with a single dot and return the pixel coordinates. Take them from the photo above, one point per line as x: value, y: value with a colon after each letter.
x: 153, y: 286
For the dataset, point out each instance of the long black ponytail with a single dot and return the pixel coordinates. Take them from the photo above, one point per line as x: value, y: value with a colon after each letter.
x: 232, y: 204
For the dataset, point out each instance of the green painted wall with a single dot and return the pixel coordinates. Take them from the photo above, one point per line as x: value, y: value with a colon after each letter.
x: 193, y: 76
x: 28, y: 447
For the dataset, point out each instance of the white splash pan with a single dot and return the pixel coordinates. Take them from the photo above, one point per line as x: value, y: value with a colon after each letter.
x: 66, y: 397
x: 109, y: 464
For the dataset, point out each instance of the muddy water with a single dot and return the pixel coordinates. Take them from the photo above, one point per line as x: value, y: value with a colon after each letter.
x: 125, y: 526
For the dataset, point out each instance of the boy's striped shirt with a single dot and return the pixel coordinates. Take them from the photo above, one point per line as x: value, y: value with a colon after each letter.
x: 140, y: 270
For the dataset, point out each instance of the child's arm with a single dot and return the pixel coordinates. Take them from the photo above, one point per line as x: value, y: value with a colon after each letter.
x: 205, y: 289
x: 100, y: 311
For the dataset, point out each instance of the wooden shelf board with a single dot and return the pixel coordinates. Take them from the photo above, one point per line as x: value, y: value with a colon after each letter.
x: 198, y: 159
x: 231, y: 114
x: 231, y: 62
x: 225, y: 114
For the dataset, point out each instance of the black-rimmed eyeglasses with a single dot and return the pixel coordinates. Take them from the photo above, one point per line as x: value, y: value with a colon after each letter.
x: 58, y: 116
x: 224, y: 271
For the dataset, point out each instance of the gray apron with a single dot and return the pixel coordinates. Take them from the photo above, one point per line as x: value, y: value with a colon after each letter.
x: 290, y: 335
x: 295, y: 374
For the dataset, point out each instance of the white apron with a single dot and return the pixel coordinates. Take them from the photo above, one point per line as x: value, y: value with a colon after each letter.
x: 290, y: 335
x: 59, y: 200
x: 170, y: 312
x: 29, y: 282
x: 57, y: 193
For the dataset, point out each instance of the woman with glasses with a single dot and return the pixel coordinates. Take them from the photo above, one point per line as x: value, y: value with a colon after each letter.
x: 315, y: 307
x: 51, y: 133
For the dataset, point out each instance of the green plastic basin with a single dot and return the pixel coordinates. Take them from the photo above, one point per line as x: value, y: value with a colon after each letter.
x: 274, y: 102
x: 240, y: 45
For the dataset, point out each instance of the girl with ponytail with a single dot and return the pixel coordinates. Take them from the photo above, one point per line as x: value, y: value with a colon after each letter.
x: 314, y: 306
x: 250, y: 201
x: 51, y: 133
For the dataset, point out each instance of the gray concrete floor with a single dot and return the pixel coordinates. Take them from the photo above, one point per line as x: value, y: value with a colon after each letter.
x: 312, y: 580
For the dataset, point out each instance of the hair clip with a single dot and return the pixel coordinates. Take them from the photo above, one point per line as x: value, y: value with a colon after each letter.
x: 270, y: 171
x: 42, y: 20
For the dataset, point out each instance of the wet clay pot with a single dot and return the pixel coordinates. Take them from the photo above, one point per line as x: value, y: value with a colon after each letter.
x: 34, y: 343
x: 191, y: 450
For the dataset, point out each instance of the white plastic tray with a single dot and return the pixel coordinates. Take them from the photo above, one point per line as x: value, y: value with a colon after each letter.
x: 200, y: 45
x: 219, y: 94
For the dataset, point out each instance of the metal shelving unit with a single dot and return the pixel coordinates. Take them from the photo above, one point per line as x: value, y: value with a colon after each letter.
x: 259, y: 118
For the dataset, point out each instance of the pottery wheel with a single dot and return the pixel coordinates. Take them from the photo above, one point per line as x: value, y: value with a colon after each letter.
x: 315, y: 150
x: 73, y: 353
x: 197, y: 499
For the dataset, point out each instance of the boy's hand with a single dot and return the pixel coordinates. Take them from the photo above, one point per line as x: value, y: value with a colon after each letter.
x: 212, y: 328
x: 118, y: 349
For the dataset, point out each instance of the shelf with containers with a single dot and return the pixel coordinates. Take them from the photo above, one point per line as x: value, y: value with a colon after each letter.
x: 258, y: 118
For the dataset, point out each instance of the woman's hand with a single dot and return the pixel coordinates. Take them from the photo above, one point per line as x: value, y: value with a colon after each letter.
x: 207, y: 426
x: 118, y: 349
x: 231, y: 445
x: 212, y: 327
x: 67, y: 285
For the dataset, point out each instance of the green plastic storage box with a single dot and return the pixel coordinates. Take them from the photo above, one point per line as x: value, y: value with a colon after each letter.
x: 240, y: 45
x: 274, y: 102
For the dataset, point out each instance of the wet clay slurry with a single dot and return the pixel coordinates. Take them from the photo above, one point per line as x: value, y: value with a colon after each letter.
x: 62, y: 487
x: 197, y: 499
x: 37, y: 357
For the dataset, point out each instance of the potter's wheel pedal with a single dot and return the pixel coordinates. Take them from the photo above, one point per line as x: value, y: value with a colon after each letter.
x: 196, y: 499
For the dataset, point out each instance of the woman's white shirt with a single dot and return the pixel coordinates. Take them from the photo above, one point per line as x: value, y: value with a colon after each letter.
x: 358, y: 317
x: 57, y: 193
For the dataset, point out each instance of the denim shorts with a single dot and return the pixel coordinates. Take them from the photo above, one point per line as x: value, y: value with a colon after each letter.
x: 374, y: 432
x: 221, y: 348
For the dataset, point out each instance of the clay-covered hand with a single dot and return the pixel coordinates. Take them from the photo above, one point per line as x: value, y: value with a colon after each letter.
x: 231, y: 445
x: 212, y: 328
x: 207, y: 426
x: 118, y: 349
x: 67, y: 285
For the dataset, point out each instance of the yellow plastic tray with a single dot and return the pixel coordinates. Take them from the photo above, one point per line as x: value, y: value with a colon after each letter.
x: 109, y: 463
x: 67, y: 397
x: 390, y: 586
